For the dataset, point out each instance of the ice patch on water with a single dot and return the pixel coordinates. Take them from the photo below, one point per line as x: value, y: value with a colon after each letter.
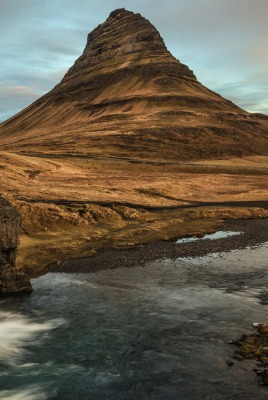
x: 212, y: 236
x: 16, y: 331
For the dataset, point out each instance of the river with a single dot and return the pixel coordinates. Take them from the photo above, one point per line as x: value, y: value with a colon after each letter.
x: 158, y: 331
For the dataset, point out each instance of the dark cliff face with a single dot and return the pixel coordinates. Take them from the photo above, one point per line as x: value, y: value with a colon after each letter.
x: 11, y: 280
x: 127, y: 96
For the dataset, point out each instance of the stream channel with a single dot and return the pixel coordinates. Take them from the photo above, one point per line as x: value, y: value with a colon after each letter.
x: 158, y: 331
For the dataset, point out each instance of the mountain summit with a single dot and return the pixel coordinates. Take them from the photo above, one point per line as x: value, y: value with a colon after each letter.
x: 127, y: 96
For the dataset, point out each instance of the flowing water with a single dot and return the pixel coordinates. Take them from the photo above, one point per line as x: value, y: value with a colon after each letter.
x: 153, y: 332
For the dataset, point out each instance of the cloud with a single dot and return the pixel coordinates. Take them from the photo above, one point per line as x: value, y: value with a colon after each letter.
x: 13, y: 99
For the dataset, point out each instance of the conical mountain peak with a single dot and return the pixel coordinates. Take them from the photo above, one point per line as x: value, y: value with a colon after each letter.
x: 125, y: 27
x: 126, y: 95
x: 120, y: 12
x: 126, y: 40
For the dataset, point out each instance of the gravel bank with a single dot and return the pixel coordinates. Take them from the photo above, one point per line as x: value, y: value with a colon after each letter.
x: 254, y: 232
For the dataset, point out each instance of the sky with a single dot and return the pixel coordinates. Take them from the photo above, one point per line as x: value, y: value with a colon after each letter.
x: 225, y: 43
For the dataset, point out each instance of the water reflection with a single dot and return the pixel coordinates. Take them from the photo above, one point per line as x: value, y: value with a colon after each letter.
x: 212, y: 236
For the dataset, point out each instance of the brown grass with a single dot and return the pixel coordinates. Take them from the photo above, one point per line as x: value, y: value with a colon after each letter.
x: 119, y: 227
x: 73, y: 206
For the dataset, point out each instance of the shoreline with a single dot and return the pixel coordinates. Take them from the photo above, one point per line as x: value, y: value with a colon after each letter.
x: 254, y: 232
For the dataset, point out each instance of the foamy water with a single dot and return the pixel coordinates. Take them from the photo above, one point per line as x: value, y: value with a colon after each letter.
x: 31, y: 393
x: 18, y: 336
x: 17, y: 331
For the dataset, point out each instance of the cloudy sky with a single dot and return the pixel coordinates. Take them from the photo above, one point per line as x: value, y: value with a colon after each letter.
x: 225, y: 43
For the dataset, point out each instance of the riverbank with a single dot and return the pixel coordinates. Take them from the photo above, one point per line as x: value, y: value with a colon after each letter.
x: 253, y: 232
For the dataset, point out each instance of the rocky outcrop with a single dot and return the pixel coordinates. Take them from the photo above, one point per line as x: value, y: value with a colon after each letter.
x: 127, y: 96
x: 11, y: 280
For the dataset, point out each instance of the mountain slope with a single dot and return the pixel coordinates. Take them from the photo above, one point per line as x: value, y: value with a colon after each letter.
x: 127, y: 96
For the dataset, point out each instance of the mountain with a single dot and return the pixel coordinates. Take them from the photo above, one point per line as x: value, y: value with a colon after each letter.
x: 128, y: 97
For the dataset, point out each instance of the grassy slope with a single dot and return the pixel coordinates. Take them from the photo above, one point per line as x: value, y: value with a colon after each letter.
x: 73, y: 206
